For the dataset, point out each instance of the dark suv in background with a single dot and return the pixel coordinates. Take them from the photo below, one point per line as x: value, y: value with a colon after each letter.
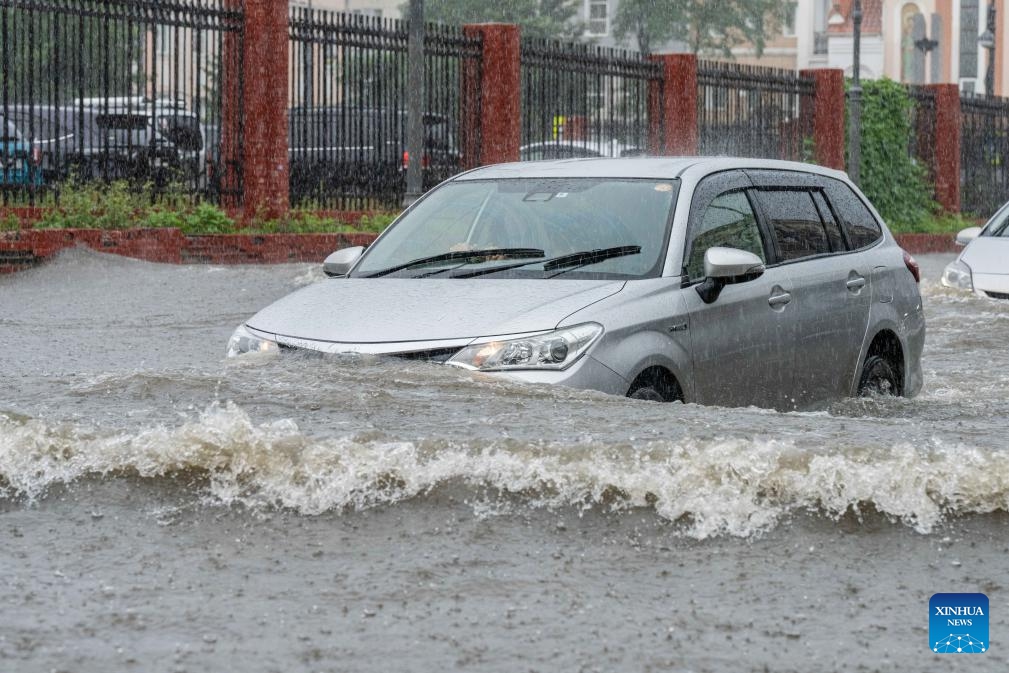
x: 361, y: 152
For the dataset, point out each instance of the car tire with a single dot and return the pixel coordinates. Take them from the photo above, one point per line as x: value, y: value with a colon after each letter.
x: 654, y: 385
x: 879, y: 379
x: 647, y: 393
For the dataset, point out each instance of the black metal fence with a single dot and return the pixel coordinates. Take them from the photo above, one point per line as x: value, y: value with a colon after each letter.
x: 110, y: 90
x: 984, y: 147
x: 582, y: 101
x: 753, y: 111
x: 348, y: 93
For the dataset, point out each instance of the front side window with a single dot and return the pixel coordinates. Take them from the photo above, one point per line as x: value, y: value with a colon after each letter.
x: 553, y: 217
x: 795, y: 223
x: 727, y: 222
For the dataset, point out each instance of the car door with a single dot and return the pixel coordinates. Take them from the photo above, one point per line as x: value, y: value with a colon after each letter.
x: 742, y: 342
x: 832, y: 287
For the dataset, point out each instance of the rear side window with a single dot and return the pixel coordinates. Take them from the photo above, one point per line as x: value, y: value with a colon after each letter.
x: 829, y: 223
x: 858, y: 222
x: 795, y: 223
x: 728, y: 222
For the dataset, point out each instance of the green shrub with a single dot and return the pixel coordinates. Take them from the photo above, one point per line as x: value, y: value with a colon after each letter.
x: 207, y: 218
x: 895, y: 183
x: 10, y: 223
x: 158, y: 219
x: 112, y: 206
x: 377, y: 222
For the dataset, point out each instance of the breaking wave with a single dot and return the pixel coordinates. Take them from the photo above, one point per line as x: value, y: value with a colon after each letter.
x: 732, y: 486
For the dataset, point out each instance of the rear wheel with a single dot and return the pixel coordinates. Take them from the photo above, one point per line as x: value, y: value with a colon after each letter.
x: 646, y: 393
x: 879, y: 378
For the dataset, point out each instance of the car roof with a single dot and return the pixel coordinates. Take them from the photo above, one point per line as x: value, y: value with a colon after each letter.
x: 660, y: 168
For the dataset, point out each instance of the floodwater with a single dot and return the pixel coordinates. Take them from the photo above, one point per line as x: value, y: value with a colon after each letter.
x: 163, y: 509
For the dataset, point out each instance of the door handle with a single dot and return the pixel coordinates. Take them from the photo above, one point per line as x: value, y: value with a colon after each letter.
x: 855, y: 284
x: 780, y: 299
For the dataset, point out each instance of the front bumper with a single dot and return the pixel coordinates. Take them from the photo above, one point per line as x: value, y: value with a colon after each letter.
x: 586, y: 372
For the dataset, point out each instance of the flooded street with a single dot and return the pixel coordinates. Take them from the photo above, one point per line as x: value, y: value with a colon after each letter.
x: 163, y: 509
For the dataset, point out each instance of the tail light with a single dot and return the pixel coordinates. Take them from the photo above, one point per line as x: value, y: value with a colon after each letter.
x: 912, y: 265
x: 425, y: 160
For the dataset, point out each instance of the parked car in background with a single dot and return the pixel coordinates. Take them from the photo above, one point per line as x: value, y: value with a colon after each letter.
x: 19, y: 156
x: 135, y: 139
x: 983, y: 266
x: 577, y: 149
x: 362, y: 151
x: 718, y: 281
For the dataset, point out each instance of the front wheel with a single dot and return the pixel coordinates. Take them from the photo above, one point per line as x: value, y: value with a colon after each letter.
x: 879, y: 378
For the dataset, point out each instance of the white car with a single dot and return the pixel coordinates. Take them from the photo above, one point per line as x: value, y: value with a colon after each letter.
x: 578, y: 149
x: 983, y: 266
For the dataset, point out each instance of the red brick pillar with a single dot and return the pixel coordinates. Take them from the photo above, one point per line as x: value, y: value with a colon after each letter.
x: 672, y: 106
x: 947, y: 146
x: 499, y: 98
x: 827, y: 111
x: 265, y: 84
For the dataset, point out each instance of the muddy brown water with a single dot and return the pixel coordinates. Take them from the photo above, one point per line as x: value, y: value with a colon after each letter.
x: 163, y: 509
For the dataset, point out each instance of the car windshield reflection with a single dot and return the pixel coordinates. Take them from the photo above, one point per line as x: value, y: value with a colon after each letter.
x: 558, y: 216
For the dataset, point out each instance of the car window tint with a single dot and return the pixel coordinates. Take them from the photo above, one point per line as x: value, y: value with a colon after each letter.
x: 858, y: 222
x: 728, y: 222
x: 829, y: 223
x: 795, y: 222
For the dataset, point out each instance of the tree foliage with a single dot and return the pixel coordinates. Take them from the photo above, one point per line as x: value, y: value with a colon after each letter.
x: 537, y: 18
x: 704, y: 25
x: 896, y: 183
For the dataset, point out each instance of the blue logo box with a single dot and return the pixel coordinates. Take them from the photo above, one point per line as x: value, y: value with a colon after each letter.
x: 958, y: 623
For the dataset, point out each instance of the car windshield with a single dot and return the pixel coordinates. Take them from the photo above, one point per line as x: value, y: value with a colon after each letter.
x: 557, y: 216
x: 999, y: 225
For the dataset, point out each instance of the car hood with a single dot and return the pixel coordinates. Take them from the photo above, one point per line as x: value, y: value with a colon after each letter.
x: 987, y: 255
x: 378, y: 310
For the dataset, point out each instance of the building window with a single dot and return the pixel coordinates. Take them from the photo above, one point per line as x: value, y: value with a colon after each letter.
x: 788, y: 21
x: 821, y: 9
x: 968, y: 38
x: 599, y: 18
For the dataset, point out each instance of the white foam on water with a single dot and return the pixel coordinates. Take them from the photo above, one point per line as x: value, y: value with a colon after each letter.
x: 735, y: 486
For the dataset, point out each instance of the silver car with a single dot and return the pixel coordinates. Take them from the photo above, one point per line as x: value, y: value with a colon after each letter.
x: 717, y: 281
x: 983, y: 266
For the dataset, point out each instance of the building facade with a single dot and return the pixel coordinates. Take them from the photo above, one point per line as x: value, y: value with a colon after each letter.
x: 912, y: 41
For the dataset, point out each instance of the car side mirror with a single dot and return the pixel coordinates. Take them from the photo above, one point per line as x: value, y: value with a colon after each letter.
x: 726, y: 266
x: 340, y: 262
x: 967, y: 235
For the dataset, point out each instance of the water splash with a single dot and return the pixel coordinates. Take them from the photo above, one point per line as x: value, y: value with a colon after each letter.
x: 711, y: 486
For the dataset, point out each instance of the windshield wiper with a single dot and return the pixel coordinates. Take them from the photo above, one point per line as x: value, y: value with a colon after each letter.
x: 506, y: 253
x: 565, y: 262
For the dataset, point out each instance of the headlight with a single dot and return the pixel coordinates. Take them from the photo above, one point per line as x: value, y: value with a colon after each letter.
x: 243, y: 341
x: 957, y: 275
x: 555, y: 350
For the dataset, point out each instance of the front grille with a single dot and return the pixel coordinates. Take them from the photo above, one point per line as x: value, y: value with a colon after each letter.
x: 997, y: 295
x: 440, y: 355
